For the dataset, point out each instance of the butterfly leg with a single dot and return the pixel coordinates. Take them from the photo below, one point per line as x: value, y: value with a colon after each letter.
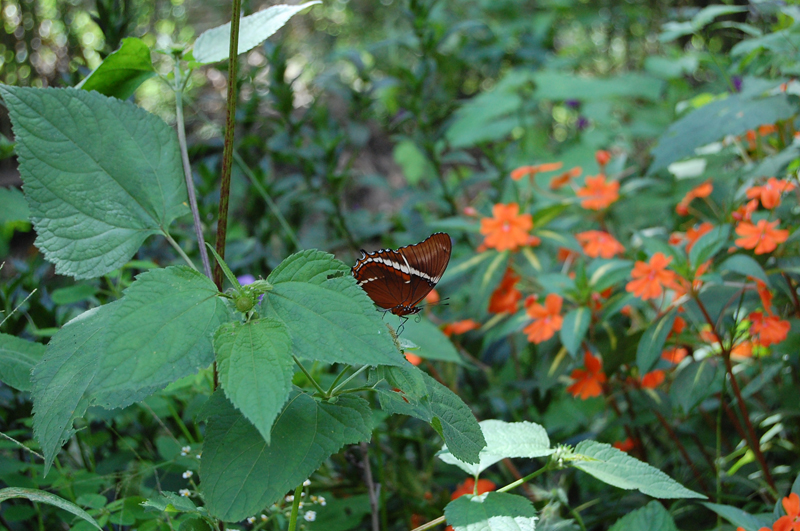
x: 402, y: 325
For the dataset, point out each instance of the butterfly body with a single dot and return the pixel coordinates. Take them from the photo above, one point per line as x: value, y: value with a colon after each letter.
x: 398, y: 280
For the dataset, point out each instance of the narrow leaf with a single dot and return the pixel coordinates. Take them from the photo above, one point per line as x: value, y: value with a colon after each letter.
x: 213, y: 45
x: 503, y: 439
x: 574, y: 328
x: 241, y: 474
x: 255, y: 365
x: 740, y: 518
x: 744, y: 265
x: 121, y: 73
x: 40, y: 496
x: 100, y: 175
x: 709, y: 244
x: 651, y: 517
x: 493, y: 511
x: 652, y: 342
x: 695, y: 382
x: 17, y: 358
x: 617, y: 468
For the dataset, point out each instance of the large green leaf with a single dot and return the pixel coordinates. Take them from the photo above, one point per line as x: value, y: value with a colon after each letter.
x: 40, y: 496
x: 744, y: 265
x: 651, y: 517
x: 122, y: 352
x: 255, y: 365
x: 329, y: 319
x: 213, y: 45
x: 740, y: 518
x: 432, y: 343
x: 100, y: 175
x: 695, y: 382
x: 241, y: 474
x: 560, y: 86
x: 574, y: 328
x: 14, y: 206
x: 493, y: 511
x: 504, y: 439
x: 17, y: 358
x: 121, y: 73
x: 617, y: 468
x: 733, y: 115
x: 446, y: 412
x: 709, y: 244
x: 652, y: 342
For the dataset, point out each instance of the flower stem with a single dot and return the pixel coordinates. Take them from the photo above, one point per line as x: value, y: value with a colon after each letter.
x: 227, y: 152
x: 295, y: 504
x: 178, y: 250
x: 359, y: 371
x: 527, y: 478
x: 187, y: 168
x: 310, y: 378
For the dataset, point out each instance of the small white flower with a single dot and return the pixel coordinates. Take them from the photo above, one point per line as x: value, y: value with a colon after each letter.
x: 188, y: 474
x: 307, y: 483
x: 300, y: 505
x: 251, y: 519
x: 185, y: 492
x: 185, y: 450
x: 263, y: 517
x: 310, y: 516
x: 289, y: 498
x: 198, y: 456
x: 321, y: 500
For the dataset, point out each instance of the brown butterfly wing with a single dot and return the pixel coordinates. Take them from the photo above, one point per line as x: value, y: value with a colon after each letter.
x: 428, y: 261
x: 382, y: 282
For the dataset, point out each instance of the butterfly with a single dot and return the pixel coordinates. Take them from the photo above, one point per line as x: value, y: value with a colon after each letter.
x: 398, y: 280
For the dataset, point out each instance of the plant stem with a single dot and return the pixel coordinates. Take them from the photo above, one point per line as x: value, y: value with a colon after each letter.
x: 682, y: 449
x: 227, y: 152
x: 310, y: 378
x: 371, y: 487
x: 527, y: 478
x: 187, y: 169
x: 178, y: 249
x: 432, y: 523
x: 359, y: 371
x: 295, y: 503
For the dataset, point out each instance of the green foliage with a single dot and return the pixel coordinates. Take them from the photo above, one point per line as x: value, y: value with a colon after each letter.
x: 121, y: 73
x: 493, y: 511
x: 432, y: 343
x: 17, y: 358
x: 652, y: 342
x: 40, y: 496
x: 652, y: 516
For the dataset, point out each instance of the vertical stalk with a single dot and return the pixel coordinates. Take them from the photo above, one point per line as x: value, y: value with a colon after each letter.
x: 187, y: 168
x: 298, y: 493
x: 227, y: 152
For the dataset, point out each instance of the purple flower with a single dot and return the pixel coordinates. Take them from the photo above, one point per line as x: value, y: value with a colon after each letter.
x: 582, y: 123
x: 572, y: 104
x: 737, y: 83
x: 246, y: 279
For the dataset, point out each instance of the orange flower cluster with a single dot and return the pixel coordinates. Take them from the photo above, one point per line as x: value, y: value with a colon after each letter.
x: 703, y: 190
x: 763, y: 237
x: 626, y: 446
x: 674, y: 354
x: 597, y: 243
x: 597, y: 193
x: 694, y: 234
x: 588, y: 382
x: 506, y: 297
x: 522, y: 171
x: 560, y: 180
x: 652, y: 379
x: 790, y: 522
x: 547, y: 319
x: 650, y: 278
x: 507, y: 229
x: 768, y: 329
x: 770, y: 193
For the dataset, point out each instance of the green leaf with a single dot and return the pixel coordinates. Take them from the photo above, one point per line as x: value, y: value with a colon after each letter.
x: 255, y: 366
x: 617, y: 468
x: 213, y: 45
x: 733, y: 115
x: 17, y: 358
x: 503, y: 439
x: 740, y: 518
x: 446, y: 412
x: 101, y: 175
x: 486, y: 279
x: 241, y: 474
x: 695, y: 382
x: 652, y: 342
x: 432, y: 343
x: 117, y: 354
x: 709, y: 244
x: 493, y: 511
x: 606, y: 273
x: 744, y: 265
x: 40, y: 496
x: 707, y: 15
x: 574, y: 328
x: 340, y: 514
x: 651, y: 517
x: 225, y: 269
x: 14, y: 206
x: 560, y: 86
x: 121, y: 73
x: 73, y: 294
x: 169, y: 502
x: 412, y: 161
x: 329, y: 319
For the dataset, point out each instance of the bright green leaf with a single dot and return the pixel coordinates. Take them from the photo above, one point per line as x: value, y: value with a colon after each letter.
x: 709, y: 244
x: 40, y: 496
x: 574, y: 328
x: 255, y: 366
x: 432, y: 343
x: 170, y: 502
x: 414, y: 163
x: 652, y: 342
x: 504, y: 439
x: 707, y: 15
x: 617, y: 468
x: 241, y: 474
x: 493, y: 511
x: 213, y: 45
x: 651, y: 517
x: 744, y: 265
x: 101, y: 175
x: 121, y: 73
x: 17, y: 358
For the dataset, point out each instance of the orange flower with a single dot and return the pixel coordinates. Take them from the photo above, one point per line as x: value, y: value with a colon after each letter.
x: 742, y: 350
x: 769, y: 329
x: 602, y: 157
x: 765, y: 294
x: 694, y: 234
x: 589, y: 382
x: 521, y: 172
x: 460, y: 327
x: 653, y: 379
x: 790, y: 522
x: 432, y: 297
x: 413, y: 359
x: 678, y: 325
x: 649, y: 278
x: 546, y: 319
x: 597, y: 193
x: 745, y: 212
x: 763, y: 237
x: 703, y: 190
x: 565, y: 254
x: 626, y: 446
x: 560, y: 180
x: 506, y: 297
x: 708, y: 335
x: 597, y: 243
x: 770, y: 192
x: 676, y: 238
x: 683, y: 286
x: 470, y: 211
x: 674, y: 354
x: 468, y: 487
x: 508, y: 229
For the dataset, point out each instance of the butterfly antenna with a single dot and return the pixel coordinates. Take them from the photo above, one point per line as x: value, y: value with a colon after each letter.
x: 402, y: 326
